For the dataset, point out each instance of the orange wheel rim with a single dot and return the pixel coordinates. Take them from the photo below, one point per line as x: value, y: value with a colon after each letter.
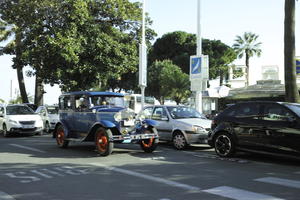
x: 148, y: 143
x: 60, y: 137
x: 101, y: 141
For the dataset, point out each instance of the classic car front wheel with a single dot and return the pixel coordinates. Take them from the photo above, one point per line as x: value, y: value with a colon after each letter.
x: 149, y: 145
x: 103, y: 144
x: 60, y: 137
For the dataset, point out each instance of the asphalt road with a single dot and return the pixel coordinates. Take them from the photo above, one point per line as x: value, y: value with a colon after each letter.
x: 34, y: 168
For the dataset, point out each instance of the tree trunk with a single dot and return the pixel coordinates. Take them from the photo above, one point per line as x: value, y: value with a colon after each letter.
x: 291, y: 89
x: 247, y: 70
x: 19, y: 66
x: 39, y: 90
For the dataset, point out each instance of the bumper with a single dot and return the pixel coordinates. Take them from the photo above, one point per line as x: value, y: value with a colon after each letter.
x: 196, y: 138
x: 26, y: 131
x: 52, y: 125
x: 134, y: 138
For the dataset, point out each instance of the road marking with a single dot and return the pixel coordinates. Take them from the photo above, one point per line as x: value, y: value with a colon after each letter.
x: 41, y: 174
x: 280, y: 181
x: 28, y: 148
x: 239, y: 194
x: 147, y: 177
x: 5, y: 196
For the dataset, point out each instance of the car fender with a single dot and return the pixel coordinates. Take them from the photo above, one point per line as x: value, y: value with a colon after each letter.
x: 223, y: 127
x: 66, y: 129
x: 102, y: 123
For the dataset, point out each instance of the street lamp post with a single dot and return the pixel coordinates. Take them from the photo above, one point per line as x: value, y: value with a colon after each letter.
x: 198, y: 99
x: 143, y: 59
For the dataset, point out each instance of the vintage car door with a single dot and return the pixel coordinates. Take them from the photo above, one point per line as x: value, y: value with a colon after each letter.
x: 66, y: 113
x: 283, y: 130
x: 164, y: 127
x: 81, y: 116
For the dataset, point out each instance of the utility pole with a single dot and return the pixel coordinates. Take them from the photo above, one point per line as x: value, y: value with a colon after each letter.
x: 198, y: 98
x: 143, y: 59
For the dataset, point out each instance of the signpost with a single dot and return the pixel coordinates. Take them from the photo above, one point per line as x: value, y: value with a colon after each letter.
x: 298, y: 66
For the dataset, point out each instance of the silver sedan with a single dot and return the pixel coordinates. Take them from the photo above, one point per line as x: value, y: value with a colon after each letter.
x: 181, y: 125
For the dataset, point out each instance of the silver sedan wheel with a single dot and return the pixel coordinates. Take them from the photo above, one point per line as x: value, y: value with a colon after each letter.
x: 179, y: 141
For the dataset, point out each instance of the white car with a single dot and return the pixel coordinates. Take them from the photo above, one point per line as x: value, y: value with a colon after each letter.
x: 181, y: 125
x: 49, y: 115
x: 19, y: 119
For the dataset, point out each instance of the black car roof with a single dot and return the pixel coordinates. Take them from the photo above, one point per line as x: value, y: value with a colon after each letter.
x: 89, y: 93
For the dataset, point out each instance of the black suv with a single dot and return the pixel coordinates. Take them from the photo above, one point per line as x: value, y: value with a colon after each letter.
x: 259, y: 126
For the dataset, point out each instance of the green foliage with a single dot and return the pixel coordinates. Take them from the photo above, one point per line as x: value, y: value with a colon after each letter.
x: 167, y: 81
x: 77, y: 43
x: 178, y: 46
x: 2, y: 101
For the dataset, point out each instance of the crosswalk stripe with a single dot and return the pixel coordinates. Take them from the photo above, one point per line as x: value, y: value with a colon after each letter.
x: 239, y: 194
x: 280, y: 181
x: 5, y: 196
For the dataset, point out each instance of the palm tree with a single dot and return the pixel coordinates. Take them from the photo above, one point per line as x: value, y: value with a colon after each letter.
x: 291, y: 90
x: 248, y: 45
x: 14, y: 47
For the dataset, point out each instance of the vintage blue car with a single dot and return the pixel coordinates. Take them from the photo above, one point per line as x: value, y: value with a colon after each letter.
x: 101, y: 117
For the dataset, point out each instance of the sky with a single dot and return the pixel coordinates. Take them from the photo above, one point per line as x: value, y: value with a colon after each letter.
x: 220, y: 19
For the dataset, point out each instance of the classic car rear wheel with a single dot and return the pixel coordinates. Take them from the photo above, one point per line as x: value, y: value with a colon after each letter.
x: 179, y: 141
x: 103, y: 145
x: 60, y: 137
x: 224, y: 145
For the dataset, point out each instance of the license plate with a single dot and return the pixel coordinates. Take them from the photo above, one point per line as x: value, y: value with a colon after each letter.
x: 28, y: 126
x: 128, y: 123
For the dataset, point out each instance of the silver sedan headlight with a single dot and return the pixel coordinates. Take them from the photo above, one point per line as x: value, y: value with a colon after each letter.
x: 198, y: 129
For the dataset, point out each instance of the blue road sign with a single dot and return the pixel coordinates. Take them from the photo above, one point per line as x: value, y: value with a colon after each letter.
x: 297, y: 66
x: 196, y: 65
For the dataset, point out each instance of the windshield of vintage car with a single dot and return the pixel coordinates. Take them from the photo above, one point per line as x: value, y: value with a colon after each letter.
x: 107, y: 101
x: 184, y: 112
x: 19, y: 110
x: 294, y: 107
x: 52, y: 110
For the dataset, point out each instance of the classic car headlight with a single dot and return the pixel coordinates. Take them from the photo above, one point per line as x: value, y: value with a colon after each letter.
x: 198, y: 129
x: 12, y: 121
x: 118, y: 116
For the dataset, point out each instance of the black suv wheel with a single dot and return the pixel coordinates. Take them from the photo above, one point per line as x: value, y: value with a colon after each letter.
x: 224, y: 145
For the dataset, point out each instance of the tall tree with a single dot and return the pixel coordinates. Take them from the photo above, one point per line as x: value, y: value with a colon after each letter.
x: 166, y: 80
x: 291, y: 89
x: 11, y: 32
x: 247, y: 45
x: 178, y: 46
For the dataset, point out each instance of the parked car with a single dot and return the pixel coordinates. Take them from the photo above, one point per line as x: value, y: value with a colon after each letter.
x: 31, y: 105
x: 181, y: 125
x: 49, y: 115
x: 101, y: 117
x: 19, y: 119
x: 259, y: 126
